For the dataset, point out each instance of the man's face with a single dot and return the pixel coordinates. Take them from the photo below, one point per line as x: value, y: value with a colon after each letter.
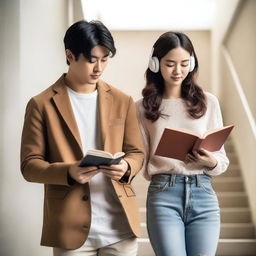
x: 87, y: 71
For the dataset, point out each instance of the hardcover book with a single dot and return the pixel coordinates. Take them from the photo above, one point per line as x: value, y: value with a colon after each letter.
x: 96, y: 157
x: 178, y: 143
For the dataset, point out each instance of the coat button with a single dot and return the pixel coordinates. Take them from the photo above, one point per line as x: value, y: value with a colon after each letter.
x: 85, y: 197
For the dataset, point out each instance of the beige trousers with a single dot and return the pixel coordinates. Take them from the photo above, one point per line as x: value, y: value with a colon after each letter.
x: 127, y: 247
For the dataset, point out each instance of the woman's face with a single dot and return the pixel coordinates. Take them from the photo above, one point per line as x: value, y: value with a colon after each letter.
x: 174, y: 66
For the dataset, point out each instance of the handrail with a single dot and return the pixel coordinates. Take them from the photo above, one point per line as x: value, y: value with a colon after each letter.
x: 240, y: 90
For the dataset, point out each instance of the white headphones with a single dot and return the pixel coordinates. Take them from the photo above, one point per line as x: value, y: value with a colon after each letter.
x: 154, y: 65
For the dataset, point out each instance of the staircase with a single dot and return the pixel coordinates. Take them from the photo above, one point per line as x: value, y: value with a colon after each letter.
x: 237, y: 236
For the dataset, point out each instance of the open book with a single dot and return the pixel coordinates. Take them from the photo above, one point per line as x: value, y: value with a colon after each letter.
x: 96, y: 157
x: 178, y: 143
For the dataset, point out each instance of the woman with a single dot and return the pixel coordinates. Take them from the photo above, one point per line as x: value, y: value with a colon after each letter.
x: 183, y: 216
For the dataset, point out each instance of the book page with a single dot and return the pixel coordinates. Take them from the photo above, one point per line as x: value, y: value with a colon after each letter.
x: 96, y: 152
x: 119, y: 154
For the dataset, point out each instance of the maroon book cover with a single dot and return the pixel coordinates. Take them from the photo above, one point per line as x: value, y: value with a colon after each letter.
x: 178, y: 143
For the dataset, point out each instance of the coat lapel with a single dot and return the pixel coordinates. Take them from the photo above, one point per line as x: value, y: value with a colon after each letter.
x: 62, y: 102
x: 105, y: 103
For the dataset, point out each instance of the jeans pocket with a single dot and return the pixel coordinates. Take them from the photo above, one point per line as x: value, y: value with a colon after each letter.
x: 207, y: 187
x: 157, y: 187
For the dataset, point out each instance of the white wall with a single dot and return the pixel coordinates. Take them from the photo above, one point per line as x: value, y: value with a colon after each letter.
x: 241, y: 46
x: 126, y: 70
x: 42, y: 28
x: 224, y: 13
x: 32, y: 57
x: 9, y: 75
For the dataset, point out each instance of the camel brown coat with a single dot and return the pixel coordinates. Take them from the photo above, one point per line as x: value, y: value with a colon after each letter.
x: 51, y: 143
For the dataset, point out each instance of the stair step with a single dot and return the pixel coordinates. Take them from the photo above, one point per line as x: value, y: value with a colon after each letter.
x: 228, y: 230
x: 232, y: 199
x: 235, y: 215
x: 233, y: 158
x: 221, y: 178
x: 237, y: 247
x: 229, y: 147
x: 232, y: 171
x: 228, y: 215
x: 228, y: 184
x: 237, y: 231
x: 226, y: 247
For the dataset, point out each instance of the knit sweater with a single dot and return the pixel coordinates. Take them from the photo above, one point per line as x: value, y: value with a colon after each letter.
x: 178, y: 118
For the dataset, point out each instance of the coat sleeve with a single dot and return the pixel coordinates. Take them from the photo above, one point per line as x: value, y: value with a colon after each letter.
x: 34, y: 166
x: 221, y: 157
x: 132, y: 144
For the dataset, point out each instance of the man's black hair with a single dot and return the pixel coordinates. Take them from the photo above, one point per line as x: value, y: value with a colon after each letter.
x: 82, y: 36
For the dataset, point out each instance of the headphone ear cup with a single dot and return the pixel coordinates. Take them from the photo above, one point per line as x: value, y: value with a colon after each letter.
x: 192, y: 63
x: 153, y: 64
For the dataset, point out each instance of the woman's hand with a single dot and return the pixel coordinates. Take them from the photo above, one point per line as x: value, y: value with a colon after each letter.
x: 203, y: 158
x: 115, y: 171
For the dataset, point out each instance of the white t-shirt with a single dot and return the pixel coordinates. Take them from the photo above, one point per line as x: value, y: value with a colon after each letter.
x: 109, y: 223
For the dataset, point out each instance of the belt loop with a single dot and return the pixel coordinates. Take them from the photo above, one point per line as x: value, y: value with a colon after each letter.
x: 198, y: 183
x: 173, y: 177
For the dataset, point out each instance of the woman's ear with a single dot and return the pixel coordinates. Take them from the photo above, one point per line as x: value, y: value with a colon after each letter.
x: 69, y: 55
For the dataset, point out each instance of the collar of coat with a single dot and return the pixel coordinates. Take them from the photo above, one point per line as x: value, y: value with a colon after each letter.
x: 63, y: 104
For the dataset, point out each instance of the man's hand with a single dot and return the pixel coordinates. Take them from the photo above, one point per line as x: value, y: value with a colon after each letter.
x: 115, y: 171
x: 82, y: 174
x: 203, y: 158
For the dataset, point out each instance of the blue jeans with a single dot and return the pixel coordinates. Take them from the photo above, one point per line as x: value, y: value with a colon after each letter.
x: 183, y: 215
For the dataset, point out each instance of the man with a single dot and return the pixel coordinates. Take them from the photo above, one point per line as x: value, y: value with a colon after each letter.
x: 87, y: 210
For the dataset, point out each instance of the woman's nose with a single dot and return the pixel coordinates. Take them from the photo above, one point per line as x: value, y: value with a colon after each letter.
x: 177, y: 69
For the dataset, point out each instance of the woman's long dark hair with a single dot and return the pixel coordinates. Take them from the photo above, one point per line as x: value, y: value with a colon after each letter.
x: 191, y: 93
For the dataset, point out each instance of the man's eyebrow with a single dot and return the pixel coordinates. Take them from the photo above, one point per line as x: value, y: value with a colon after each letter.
x: 92, y: 56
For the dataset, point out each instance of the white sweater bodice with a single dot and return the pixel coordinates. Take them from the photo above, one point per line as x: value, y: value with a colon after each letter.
x: 177, y: 117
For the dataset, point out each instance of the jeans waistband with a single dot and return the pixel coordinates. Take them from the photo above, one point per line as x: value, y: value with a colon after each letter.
x: 181, y: 178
